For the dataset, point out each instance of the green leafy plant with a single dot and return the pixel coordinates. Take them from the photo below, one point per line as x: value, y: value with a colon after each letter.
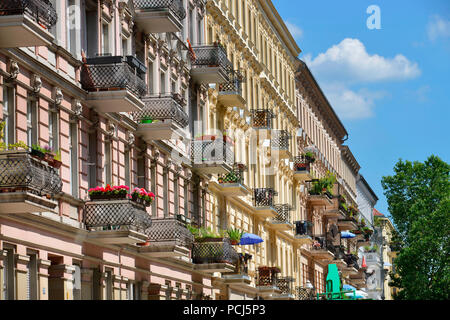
x: 2, y: 134
x: 58, y: 155
x: 18, y: 145
x: 235, y: 235
x: 310, y: 156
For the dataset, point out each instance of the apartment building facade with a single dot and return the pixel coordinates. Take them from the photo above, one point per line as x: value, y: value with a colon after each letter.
x: 203, y: 103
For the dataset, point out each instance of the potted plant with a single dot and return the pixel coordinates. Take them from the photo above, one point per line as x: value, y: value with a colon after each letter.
x: 48, y: 154
x: 37, y: 152
x: 57, y: 160
x: 234, y: 235
x: 310, y: 156
x: 108, y: 193
x: 142, y: 196
x: 146, y: 119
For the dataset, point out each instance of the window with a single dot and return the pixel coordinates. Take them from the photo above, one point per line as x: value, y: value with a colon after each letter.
x: 8, y: 275
x: 127, y: 168
x: 105, y: 38
x: 8, y: 115
x: 73, y: 146
x: 72, y: 27
x: 151, y: 79
x: 109, y: 285
x: 162, y: 82
x: 32, y: 122
x: 107, y: 165
x: 32, y: 279
x: 92, y: 159
x: 76, y: 282
x: 53, y: 130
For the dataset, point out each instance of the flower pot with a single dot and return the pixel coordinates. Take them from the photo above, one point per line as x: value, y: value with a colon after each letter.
x: 144, y: 244
x: 37, y: 154
x: 56, y: 164
x: 146, y: 121
x: 234, y: 242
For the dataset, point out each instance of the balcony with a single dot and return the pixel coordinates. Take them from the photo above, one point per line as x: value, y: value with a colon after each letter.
x: 159, y: 16
x: 114, y: 83
x: 27, y: 184
x: 230, y: 93
x: 303, y: 232
x: 280, y: 144
x: 348, y: 223
x: 263, y: 202
x: 211, y: 257
x: 162, y: 118
x: 25, y: 23
x: 302, y: 169
x: 239, y: 279
x: 116, y: 221
x: 266, y: 281
x: 318, y: 199
x: 285, y: 284
x: 210, y: 64
x: 321, y: 250
x: 168, y: 238
x: 282, y: 221
x: 212, y: 156
x: 232, y: 184
x: 305, y: 293
x: 262, y: 120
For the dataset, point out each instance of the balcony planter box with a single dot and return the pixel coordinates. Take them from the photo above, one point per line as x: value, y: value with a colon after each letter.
x: 96, y: 197
x: 56, y: 164
x: 201, y: 240
x: 146, y: 120
x: 141, y: 201
x: 37, y: 154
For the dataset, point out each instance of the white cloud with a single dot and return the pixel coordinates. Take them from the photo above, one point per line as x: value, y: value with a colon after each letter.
x: 295, y: 30
x: 350, y: 62
x: 350, y: 104
x: 438, y: 28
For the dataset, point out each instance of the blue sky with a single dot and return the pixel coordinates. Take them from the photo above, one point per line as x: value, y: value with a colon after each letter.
x: 389, y: 86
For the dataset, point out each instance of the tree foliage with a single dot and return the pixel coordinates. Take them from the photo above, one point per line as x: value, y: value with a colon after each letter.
x: 418, y: 196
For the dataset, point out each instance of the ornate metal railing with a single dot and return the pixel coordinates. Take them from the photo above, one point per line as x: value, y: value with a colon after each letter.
x: 283, y: 213
x: 263, y: 197
x: 262, y: 119
x: 212, y: 152
x: 40, y: 11
x: 114, y: 72
x: 162, y: 107
x: 214, y: 252
x: 236, y: 175
x: 280, y: 140
x: 304, y: 228
x: 19, y: 171
x: 351, y: 260
x: 266, y: 276
x: 175, y: 6
x: 169, y: 230
x: 211, y: 56
x: 234, y: 86
x: 285, y: 284
x: 302, y: 163
x: 305, y: 294
x: 321, y: 244
x: 116, y: 215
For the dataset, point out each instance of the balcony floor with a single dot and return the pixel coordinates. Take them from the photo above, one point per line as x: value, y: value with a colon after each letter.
x: 162, y: 130
x: 265, y: 212
x: 302, y: 175
x: 319, y: 200
x: 303, y: 239
x: 208, y: 74
x: 157, y: 21
x: 24, y: 202
x: 231, y: 100
x: 164, y: 250
x: 281, y: 226
x: 117, y: 236
x: 115, y: 101
x: 231, y: 189
x: 215, y: 267
x: 22, y: 31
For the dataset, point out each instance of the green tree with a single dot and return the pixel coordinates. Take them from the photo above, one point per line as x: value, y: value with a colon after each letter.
x: 418, y: 196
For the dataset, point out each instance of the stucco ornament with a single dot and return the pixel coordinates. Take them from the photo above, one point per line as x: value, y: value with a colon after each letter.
x: 36, y: 83
x: 14, y: 69
x: 58, y: 96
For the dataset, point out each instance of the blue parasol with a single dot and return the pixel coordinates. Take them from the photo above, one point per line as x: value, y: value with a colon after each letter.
x: 249, y: 238
x: 347, y: 287
x: 347, y: 235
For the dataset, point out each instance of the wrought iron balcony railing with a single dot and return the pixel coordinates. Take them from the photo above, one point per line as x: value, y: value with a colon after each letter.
x: 19, y: 171
x: 351, y: 260
x: 210, y: 151
x: 262, y: 119
x: 305, y: 293
x: 301, y: 164
x: 263, y: 197
x: 162, y: 107
x: 214, y: 252
x: 168, y: 231
x: 40, y: 11
x: 304, y: 228
x: 280, y: 140
x: 267, y: 276
x: 174, y: 6
x: 234, y: 86
x: 285, y: 284
x: 114, y: 72
x: 211, y: 56
x: 235, y: 176
x: 283, y: 213
x: 116, y: 215
x: 321, y: 244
